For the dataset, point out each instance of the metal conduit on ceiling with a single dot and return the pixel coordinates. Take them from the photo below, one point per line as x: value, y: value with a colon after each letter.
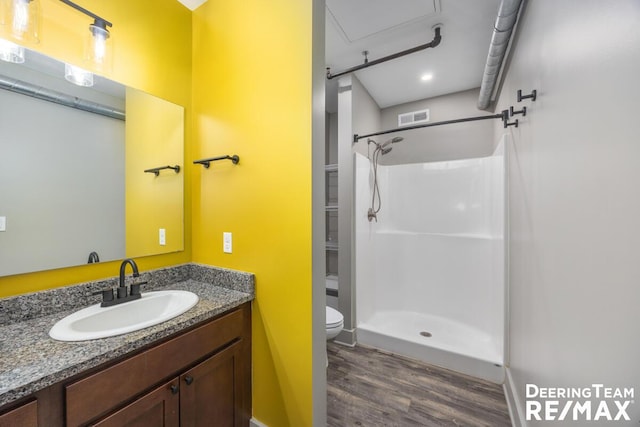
x: 25, y: 88
x: 503, y: 29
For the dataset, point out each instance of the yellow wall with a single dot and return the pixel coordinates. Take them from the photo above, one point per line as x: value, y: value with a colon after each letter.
x: 155, y: 138
x: 252, y: 97
x: 152, y: 52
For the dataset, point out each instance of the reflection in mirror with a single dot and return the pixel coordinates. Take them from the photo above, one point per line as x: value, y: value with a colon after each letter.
x: 72, y: 182
x: 154, y: 135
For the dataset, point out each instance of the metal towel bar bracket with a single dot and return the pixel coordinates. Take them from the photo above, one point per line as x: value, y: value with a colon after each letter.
x: 533, y: 95
x: 207, y: 162
x: 157, y: 170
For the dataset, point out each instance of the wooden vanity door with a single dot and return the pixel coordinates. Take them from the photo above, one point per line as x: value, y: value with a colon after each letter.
x: 157, y: 408
x: 23, y: 416
x: 211, y: 392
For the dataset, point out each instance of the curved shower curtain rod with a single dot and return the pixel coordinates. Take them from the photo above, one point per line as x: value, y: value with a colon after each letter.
x: 433, y: 43
x: 503, y: 115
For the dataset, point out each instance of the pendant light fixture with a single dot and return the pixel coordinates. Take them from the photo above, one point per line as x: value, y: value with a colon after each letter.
x: 97, y: 46
x: 78, y: 76
x: 20, y: 20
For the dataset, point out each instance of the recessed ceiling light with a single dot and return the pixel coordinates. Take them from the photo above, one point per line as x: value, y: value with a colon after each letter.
x: 426, y: 77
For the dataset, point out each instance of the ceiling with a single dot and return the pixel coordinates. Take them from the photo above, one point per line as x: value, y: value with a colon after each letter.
x: 384, y: 27
x: 192, y: 4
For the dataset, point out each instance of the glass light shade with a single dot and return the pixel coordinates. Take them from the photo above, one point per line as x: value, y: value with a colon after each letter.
x: 20, y: 20
x: 78, y: 76
x: 11, y: 52
x: 98, y: 49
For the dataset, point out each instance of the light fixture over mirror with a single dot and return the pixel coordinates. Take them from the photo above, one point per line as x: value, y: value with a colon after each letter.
x: 96, y: 45
x: 98, y: 48
x: 20, y: 20
x: 78, y: 76
x: 11, y: 52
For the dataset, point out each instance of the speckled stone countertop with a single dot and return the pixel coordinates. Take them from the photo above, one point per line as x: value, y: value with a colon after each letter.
x: 30, y: 360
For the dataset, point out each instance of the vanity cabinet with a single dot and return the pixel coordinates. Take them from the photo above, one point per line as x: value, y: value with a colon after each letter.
x: 200, y: 377
x: 206, y: 395
x: 158, y: 408
x: 209, y: 391
x: 22, y: 416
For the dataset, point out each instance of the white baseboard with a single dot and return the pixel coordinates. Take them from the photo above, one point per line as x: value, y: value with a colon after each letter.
x: 255, y: 423
x: 511, y: 393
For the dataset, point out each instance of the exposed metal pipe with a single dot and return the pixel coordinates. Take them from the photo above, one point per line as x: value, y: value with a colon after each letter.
x: 503, y: 28
x: 433, y: 43
x: 25, y: 88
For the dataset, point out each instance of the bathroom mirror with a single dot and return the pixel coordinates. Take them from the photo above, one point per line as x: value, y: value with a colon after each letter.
x: 73, y: 185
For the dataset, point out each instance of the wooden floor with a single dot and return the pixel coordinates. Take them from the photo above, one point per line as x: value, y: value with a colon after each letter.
x: 368, y: 387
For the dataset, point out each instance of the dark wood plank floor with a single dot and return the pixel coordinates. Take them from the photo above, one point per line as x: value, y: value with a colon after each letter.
x: 368, y: 387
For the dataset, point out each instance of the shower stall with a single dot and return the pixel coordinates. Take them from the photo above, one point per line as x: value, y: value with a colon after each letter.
x: 430, y: 267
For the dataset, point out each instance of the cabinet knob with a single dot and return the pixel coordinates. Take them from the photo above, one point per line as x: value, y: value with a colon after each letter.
x: 188, y: 379
x: 174, y: 389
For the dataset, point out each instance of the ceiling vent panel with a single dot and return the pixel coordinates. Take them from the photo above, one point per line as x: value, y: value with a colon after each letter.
x: 359, y: 19
x: 414, y: 117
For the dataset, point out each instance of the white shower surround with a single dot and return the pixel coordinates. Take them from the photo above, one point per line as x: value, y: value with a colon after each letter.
x: 434, y: 262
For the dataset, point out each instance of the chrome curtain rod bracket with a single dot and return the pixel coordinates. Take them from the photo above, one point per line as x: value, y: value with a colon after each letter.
x: 207, y: 162
x: 367, y: 63
x: 157, y: 170
x: 504, y: 116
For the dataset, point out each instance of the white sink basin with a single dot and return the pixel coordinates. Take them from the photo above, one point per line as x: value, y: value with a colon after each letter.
x: 101, y: 322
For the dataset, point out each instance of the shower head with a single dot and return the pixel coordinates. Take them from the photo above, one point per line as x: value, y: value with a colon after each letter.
x: 391, y: 141
x: 384, y: 151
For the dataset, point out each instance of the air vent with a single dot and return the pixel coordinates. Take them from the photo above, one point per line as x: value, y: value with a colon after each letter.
x: 414, y: 117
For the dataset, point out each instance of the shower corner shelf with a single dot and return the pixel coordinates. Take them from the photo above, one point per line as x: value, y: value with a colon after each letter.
x: 331, y: 208
x: 331, y: 168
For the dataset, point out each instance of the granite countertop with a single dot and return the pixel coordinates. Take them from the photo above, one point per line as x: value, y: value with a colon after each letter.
x: 31, y: 360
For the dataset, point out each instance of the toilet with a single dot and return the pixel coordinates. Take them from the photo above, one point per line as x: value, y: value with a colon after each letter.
x: 334, y: 323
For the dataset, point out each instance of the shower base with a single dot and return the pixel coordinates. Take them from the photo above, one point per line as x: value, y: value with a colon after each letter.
x: 435, y: 340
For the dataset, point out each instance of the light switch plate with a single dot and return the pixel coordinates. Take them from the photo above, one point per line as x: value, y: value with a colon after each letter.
x: 3, y: 223
x: 227, y: 242
x: 162, y: 237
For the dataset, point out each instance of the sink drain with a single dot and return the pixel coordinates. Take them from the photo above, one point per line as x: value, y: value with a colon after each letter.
x: 426, y: 334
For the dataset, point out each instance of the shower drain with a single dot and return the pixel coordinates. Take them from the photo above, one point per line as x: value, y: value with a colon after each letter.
x: 426, y: 334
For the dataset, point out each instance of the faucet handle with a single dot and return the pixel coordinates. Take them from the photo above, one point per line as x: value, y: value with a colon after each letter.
x: 121, y: 292
x: 135, y: 288
x: 107, y: 295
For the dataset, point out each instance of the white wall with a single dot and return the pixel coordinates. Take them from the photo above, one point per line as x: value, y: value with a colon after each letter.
x: 575, y: 198
x: 366, y: 114
x: 331, y: 132
x: 357, y: 113
x: 438, y: 143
